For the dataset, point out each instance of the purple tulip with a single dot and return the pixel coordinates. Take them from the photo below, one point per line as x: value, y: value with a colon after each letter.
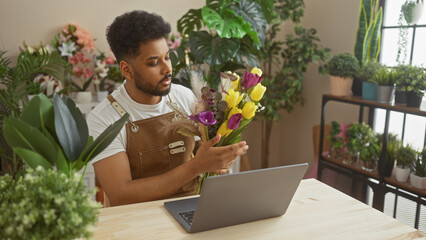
x: 204, y: 117
x: 249, y: 80
x: 234, y: 121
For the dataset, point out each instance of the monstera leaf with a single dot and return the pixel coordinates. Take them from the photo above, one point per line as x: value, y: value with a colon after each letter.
x: 247, y: 54
x: 189, y: 22
x: 213, y: 50
x: 252, y: 13
x: 227, y: 24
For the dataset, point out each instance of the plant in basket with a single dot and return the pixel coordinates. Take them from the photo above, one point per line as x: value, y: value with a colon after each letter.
x: 226, y: 111
x: 342, y: 68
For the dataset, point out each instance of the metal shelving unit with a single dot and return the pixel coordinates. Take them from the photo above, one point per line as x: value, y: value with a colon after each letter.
x: 376, y: 180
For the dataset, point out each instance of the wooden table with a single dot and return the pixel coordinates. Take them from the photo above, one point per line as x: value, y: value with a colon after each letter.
x: 317, y: 211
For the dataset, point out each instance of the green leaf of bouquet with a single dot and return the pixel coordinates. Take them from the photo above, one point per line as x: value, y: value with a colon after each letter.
x: 67, y: 130
x: 227, y: 24
x: 79, y: 164
x: 104, y: 139
x: 212, y: 50
x: 61, y: 162
x: 190, y: 22
x: 31, y: 158
x: 39, y: 113
x: 20, y: 134
x: 79, y: 118
x: 252, y: 13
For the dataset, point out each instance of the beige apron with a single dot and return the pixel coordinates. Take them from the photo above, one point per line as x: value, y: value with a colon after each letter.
x: 152, y: 152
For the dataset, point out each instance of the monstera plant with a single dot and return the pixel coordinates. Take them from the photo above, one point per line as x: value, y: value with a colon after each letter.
x: 224, y: 34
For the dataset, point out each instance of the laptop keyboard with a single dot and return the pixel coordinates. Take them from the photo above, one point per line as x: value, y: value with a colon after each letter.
x: 187, y: 216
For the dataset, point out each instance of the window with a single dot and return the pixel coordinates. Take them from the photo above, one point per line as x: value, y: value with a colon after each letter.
x: 411, y: 129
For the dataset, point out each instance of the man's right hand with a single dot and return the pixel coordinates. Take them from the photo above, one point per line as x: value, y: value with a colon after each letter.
x: 217, y: 159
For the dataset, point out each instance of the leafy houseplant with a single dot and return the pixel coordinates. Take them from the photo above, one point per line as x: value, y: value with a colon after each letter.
x: 418, y: 176
x: 405, y: 156
x: 412, y: 81
x: 336, y: 141
x: 235, y: 31
x: 45, y: 204
x: 365, y: 74
x: 369, y: 156
x: 368, y: 36
x: 342, y: 68
x: 55, y: 135
x: 15, y: 81
x: 393, y: 144
x: 385, y: 81
x: 293, y: 55
x: 358, y: 136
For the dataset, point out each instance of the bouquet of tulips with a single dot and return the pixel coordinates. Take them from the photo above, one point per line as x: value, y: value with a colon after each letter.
x: 227, y: 111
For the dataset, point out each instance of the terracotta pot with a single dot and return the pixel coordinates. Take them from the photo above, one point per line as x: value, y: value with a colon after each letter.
x: 341, y: 86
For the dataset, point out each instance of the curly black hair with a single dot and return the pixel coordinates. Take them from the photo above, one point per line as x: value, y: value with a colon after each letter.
x: 129, y: 30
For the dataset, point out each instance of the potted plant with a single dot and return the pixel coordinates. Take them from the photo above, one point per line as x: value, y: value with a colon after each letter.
x: 418, y: 176
x: 412, y: 10
x: 358, y: 136
x: 393, y: 144
x: 336, y: 141
x: 102, y: 81
x: 15, y: 89
x: 385, y: 81
x: 405, y: 156
x: 342, y: 68
x: 412, y: 81
x: 369, y: 156
x: 368, y: 37
x: 46, y: 204
x: 365, y: 74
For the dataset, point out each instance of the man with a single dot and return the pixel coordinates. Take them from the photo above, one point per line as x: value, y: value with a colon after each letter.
x: 143, y: 163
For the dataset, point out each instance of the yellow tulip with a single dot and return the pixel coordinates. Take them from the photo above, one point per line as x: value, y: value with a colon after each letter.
x: 258, y: 92
x: 224, y: 130
x: 233, y: 98
x: 235, y: 84
x: 248, y: 110
x: 234, y: 111
x: 257, y: 71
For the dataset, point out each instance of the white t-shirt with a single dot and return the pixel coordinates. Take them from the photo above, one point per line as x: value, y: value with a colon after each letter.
x: 103, y: 115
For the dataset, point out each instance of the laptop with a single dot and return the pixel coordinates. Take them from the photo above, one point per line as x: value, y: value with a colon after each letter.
x: 232, y: 199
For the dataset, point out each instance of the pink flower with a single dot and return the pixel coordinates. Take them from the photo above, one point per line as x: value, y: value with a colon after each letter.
x: 77, y: 71
x: 80, y: 56
x: 73, y: 60
x: 88, y: 73
x: 85, y: 39
x: 110, y: 59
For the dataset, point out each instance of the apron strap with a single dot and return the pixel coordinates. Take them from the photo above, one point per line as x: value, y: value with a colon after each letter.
x: 121, y: 111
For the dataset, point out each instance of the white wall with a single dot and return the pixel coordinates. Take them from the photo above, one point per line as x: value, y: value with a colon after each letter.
x: 39, y: 20
x: 335, y: 20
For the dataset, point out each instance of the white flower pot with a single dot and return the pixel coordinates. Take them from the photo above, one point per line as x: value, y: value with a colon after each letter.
x: 341, y: 86
x: 418, y: 182
x: 401, y: 174
x: 83, y: 97
x: 417, y: 12
x: 101, y: 95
